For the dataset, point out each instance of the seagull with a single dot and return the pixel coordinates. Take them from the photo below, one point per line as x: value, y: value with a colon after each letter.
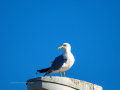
x: 61, y: 63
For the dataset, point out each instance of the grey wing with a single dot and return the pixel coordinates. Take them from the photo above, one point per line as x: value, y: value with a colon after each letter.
x: 57, y: 59
x: 58, y: 62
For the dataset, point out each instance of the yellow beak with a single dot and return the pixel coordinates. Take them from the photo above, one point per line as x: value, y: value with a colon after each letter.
x: 59, y: 47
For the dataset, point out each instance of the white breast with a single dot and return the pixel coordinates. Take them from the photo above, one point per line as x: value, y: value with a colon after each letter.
x: 68, y: 64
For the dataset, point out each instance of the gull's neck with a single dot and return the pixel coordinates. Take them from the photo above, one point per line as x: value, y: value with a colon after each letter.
x: 67, y: 51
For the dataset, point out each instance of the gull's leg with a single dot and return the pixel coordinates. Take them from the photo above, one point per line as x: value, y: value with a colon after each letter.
x: 64, y: 73
x: 60, y: 74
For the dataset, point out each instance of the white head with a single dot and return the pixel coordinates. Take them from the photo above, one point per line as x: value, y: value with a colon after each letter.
x: 65, y: 46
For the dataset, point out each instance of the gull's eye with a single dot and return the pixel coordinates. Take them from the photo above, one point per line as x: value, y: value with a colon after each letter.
x: 64, y: 45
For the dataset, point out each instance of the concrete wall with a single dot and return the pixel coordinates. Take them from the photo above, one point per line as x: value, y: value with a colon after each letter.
x: 59, y: 83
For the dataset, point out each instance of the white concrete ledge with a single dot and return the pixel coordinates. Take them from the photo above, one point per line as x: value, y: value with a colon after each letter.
x: 59, y: 83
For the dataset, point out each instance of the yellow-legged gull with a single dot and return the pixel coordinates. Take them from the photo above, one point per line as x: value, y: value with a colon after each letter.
x: 61, y: 63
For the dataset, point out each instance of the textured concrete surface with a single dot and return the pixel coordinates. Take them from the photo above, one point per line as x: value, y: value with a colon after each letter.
x: 59, y: 83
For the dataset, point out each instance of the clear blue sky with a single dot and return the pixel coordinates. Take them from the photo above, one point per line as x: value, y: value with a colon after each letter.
x: 31, y: 31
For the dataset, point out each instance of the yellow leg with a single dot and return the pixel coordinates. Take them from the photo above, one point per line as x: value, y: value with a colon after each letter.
x: 60, y: 74
x: 64, y: 73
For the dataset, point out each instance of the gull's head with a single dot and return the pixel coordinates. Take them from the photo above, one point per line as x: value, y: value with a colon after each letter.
x: 65, y: 46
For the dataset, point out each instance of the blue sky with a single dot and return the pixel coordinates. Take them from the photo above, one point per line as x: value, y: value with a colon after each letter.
x: 31, y: 32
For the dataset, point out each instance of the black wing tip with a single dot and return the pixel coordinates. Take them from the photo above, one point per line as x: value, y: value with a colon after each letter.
x: 37, y: 72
